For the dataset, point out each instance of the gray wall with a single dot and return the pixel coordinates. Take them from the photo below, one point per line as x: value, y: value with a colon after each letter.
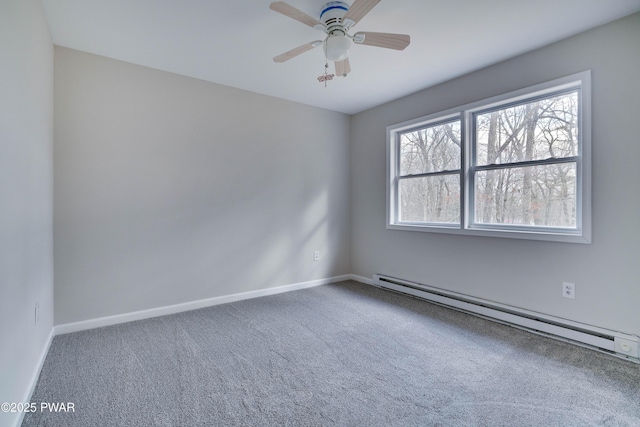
x: 523, y: 273
x: 26, y: 184
x: 170, y: 189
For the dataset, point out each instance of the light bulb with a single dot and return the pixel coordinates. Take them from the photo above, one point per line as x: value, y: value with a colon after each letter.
x: 336, y: 48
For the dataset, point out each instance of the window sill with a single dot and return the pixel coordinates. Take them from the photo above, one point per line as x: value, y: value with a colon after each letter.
x: 549, y: 236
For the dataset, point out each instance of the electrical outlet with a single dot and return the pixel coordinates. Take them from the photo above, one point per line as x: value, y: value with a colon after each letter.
x: 569, y: 290
x: 316, y: 255
x: 37, y: 313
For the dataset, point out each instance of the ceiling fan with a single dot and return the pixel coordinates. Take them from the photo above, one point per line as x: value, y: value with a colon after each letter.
x: 336, y: 19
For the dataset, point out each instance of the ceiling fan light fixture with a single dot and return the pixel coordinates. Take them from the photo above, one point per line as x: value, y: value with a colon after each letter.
x: 336, y: 48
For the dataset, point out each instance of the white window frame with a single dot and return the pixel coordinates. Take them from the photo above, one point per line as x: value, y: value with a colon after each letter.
x: 580, y: 234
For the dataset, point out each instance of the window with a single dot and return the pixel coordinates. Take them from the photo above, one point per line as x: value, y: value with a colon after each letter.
x: 429, y: 174
x: 517, y: 165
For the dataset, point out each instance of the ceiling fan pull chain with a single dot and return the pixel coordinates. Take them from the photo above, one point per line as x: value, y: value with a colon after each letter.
x: 325, y: 76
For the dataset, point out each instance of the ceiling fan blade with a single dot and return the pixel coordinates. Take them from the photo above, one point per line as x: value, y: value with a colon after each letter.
x: 343, y: 68
x: 387, y: 40
x: 297, y: 51
x: 298, y: 15
x: 357, y: 11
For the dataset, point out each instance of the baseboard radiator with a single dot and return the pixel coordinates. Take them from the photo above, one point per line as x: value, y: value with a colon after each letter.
x: 615, y: 343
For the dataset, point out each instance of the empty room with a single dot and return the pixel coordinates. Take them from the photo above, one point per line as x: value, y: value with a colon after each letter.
x: 369, y: 212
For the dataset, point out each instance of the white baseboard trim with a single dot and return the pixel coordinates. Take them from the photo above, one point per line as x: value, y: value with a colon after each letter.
x: 361, y: 279
x: 35, y: 376
x: 67, y: 328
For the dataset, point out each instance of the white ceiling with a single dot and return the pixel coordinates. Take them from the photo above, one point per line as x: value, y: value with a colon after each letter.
x: 233, y: 42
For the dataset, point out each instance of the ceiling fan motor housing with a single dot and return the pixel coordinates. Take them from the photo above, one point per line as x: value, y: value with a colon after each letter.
x: 331, y: 13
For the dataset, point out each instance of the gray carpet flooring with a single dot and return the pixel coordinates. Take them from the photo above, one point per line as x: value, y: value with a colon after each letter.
x: 346, y: 354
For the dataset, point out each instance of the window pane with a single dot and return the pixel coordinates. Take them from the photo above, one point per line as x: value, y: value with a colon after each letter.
x: 431, y: 149
x: 430, y: 199
x: 542, y: 196
x: 537, y: 130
